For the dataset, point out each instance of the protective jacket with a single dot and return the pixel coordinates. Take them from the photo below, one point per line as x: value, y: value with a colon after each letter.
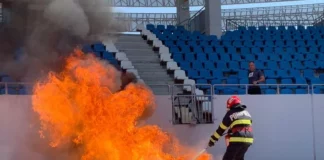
x: 239, y: 122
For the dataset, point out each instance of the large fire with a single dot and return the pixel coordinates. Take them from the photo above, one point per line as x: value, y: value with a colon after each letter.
x: 83, y: 109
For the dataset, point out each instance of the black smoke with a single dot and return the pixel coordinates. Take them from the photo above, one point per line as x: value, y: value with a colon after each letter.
x: 48, y: 31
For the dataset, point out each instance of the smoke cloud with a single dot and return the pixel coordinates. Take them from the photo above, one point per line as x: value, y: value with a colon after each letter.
x: 48, y: 31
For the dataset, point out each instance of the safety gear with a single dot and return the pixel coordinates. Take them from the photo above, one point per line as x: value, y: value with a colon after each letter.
x: 232, y: 101
x: 211, y: 143
x: 239, y: 122
x: 236, y: 151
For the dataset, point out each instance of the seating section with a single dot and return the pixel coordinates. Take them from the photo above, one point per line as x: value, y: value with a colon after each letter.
x: 14, y: 88
x: 293, y: 56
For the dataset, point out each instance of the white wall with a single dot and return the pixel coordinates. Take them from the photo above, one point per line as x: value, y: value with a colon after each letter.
x: 282, y: 125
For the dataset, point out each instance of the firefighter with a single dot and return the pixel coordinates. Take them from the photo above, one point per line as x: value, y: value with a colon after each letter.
x: 239, y: 124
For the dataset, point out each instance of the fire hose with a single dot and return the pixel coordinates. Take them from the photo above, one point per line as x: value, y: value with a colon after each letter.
x: 203, y: 151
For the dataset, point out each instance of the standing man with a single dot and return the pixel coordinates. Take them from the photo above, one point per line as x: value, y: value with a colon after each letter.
x: 240, y: 136
x: 255, y: 77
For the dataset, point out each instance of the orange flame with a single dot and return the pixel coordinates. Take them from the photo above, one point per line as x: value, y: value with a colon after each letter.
x: 82, y: 108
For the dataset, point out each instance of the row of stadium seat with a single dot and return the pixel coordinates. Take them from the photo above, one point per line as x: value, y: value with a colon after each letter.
x: 270, y: 83
x: 208, y: 60
x: 98, y: 49
x: 192, y: 63
x: 245, y: 50
x: 215, y: 57
x: 229, y: 91
x: 245, y: 43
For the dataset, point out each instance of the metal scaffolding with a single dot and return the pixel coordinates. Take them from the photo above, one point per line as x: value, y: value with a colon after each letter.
x: 265, y: 16
x: 171, y: 3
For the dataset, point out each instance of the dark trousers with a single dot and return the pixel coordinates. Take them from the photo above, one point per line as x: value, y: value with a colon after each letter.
x: 254, y: 90
x: 236, y: 151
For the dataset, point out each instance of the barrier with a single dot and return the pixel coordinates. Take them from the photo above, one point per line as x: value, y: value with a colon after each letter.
x: 14, y: 88
x: 192, y: 109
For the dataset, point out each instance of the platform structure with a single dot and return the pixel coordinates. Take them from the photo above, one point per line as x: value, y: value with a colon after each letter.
x: 266, y: 16
x: 172, y: 3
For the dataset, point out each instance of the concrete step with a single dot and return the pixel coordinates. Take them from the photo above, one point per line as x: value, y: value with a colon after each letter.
x: 150, y: 74
x: 135, y: 59
x: 157, y: 77
x: 144, y: 70
x: 136, y: 51
x: 134, y: 45
x: 130, y: 38
x: 170, y: 82
x: 145, y: 65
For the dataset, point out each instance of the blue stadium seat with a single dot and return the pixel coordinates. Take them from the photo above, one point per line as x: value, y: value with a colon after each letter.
x: 256, y: 50
x: 178, y: 57
x: 301, y: 91
x: 310, y: 57
x: 268, y: 50
x: 234, y: 66
x: 189, y: 57
x: 301, y: 81
x: 269, y: 43
x: 287, y: 81
x: 243, y: 73
x: 308, y: 74
x: 282, y: 73
x: 310, y: 65
x: 7, y: 79
x: 244, y: 65
x: 279, y: 43
x: 272, y: 65
x: 222, y: 65
x: 236, y: 57
x: 272, y: 83
x: 246, y: 50
x: 99, y: 47
x: 274, y: 57
x: 249, y: 57
x: 206, y: 74
x: 248, y: 43
x: 218, y: 74
x: 209, y: 65
x: 286, y: 91
x: 194, y: 74
x: 297, y: 65
x: 212, y: 57
x: 270, y: 74
x: 284, y: 65
x: 197, y: 65
x: 208, y: 49
x: 185, y: 65
x: 201, y: 57
x: 220, y: 50
x: 225, y: 57
x: 270, y: 91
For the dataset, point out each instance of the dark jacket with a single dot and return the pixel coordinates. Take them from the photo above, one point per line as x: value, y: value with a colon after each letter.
x: 239, y: 122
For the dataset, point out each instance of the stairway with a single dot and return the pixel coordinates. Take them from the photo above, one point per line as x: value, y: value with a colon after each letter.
x: 147, y: 63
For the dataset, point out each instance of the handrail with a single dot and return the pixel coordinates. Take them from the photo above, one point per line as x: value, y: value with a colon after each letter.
x: 271, y: 22
x: 319, y: 19
x: 190, y: 87
x: 188, y: 21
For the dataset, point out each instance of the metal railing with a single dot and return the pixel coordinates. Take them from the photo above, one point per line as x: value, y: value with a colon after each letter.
x: 191, y: 107
x: 175, y: 89
x: 187, y: 23
x: 233, y: 24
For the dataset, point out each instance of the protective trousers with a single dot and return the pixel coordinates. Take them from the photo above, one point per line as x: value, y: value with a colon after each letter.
x: 236, y: 151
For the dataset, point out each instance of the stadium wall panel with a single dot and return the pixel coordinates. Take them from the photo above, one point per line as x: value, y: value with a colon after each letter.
x: 283, y: 125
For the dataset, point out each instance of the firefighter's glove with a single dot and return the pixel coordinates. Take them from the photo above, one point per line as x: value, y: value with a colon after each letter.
x: 211, y: 143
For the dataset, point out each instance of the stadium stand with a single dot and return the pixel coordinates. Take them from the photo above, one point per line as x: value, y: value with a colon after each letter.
x: 106, y: 51
x: 287, y: 55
